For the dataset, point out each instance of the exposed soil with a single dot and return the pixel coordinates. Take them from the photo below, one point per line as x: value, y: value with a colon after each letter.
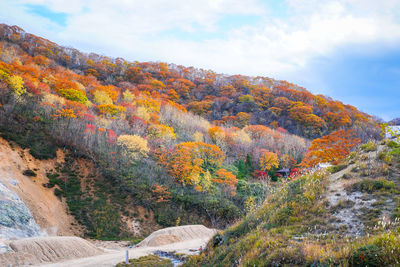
x: 349, y: 206
x: 177, y: 234
x: 74, y: 251
x: 49, y: 211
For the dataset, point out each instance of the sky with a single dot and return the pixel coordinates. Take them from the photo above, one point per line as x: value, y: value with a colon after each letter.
x: 346, y: 49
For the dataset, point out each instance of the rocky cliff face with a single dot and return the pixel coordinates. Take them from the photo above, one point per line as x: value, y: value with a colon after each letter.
x: 16, y: 220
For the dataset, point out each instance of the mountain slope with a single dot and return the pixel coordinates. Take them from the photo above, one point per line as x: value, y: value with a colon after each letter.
x: 228, y: 100
x: 130, y: 121
x: 349, y: 217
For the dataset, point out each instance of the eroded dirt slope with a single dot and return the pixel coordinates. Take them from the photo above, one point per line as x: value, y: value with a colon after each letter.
x: 47, y: 209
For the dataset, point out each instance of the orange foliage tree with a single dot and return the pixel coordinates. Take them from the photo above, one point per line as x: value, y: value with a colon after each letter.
x: 64, y: 113
x: 110, y: 90
x: 225, y: 177
x: 330, y: 148
x: 161, y: 193
x: 190, y: 160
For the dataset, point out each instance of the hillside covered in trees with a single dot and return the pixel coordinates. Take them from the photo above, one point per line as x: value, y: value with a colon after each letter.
x: 191, y: 145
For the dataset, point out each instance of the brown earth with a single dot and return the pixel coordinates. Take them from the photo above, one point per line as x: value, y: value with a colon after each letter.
x: 49, y: 211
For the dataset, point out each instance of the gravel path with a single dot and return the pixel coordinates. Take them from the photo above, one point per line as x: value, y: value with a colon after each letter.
x: 185, y: 239
x: 113, y: 257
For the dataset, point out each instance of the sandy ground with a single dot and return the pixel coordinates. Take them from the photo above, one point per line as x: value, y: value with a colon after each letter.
x: 185, y: 239
x: 49, y: 212
x: 113, y: 257
x: 177, y: 234
x: 75, y: 251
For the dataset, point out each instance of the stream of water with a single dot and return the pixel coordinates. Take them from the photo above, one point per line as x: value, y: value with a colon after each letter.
x: 176, y: 261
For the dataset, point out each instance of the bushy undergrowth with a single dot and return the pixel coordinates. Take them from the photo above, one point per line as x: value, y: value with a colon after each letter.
x: 281, y: 233
x: 268, y: 249
x: 150, y: 260
x: 132, y: 178
x: 20, y: 128
x: 337, y: 168
x: 100, y: 217
x: 372, y: 185
x: 368, y: 147
x: 260, y: 238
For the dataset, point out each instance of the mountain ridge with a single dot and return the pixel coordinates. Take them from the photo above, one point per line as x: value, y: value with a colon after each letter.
x: 217, y: 97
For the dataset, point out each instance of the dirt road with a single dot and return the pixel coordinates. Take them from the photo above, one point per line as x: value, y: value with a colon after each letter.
x: 72, y: 251
x: 111, y: 258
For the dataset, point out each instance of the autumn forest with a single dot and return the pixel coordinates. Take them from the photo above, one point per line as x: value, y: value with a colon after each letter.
x: 192, y: 145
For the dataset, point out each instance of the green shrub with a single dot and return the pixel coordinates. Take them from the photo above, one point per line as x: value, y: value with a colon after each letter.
x: 32, y: 136
x: 393, y: 144
x: 74, y: 95
x: 52, y: 179
x: 58, y: 192
x: 368, y: 255
x: 382, y: 155
x: 145, y: 261
x: 370, y: 185
x: 368, y: 147
x: 29, y: 173
x: 383, y: 250
x: 337, y: 168
x: 395, y: 152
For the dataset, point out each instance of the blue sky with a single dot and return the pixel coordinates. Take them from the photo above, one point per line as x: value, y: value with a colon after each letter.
x: 346, y: 49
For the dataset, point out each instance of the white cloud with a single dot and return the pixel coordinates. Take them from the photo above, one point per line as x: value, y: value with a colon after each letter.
x: 276, y: 46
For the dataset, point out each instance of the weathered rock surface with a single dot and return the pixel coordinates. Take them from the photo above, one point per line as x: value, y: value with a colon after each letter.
x: 16, y: 220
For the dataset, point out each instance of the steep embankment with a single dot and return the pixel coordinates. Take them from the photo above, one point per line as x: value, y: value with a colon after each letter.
x: 346, y: 215
x: 47, y: 209
x: 68, y: 195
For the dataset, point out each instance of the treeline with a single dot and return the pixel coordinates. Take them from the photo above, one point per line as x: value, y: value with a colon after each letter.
x: 227, y: 100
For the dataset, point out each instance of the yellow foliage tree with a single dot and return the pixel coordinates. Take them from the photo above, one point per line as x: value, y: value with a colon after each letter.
x: 241, y: 137
x: 150, y: 104
x: 109, y: 89
x: 64, y: 113
x: 110, y: 110
x: 102, y: 98
x: 161, y: 131
x: 142, y: 113
x: 225, y: 177
x: 216, y: 133
x: 133, y: 146
x: 128, y: 96
x: 16, y: 84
